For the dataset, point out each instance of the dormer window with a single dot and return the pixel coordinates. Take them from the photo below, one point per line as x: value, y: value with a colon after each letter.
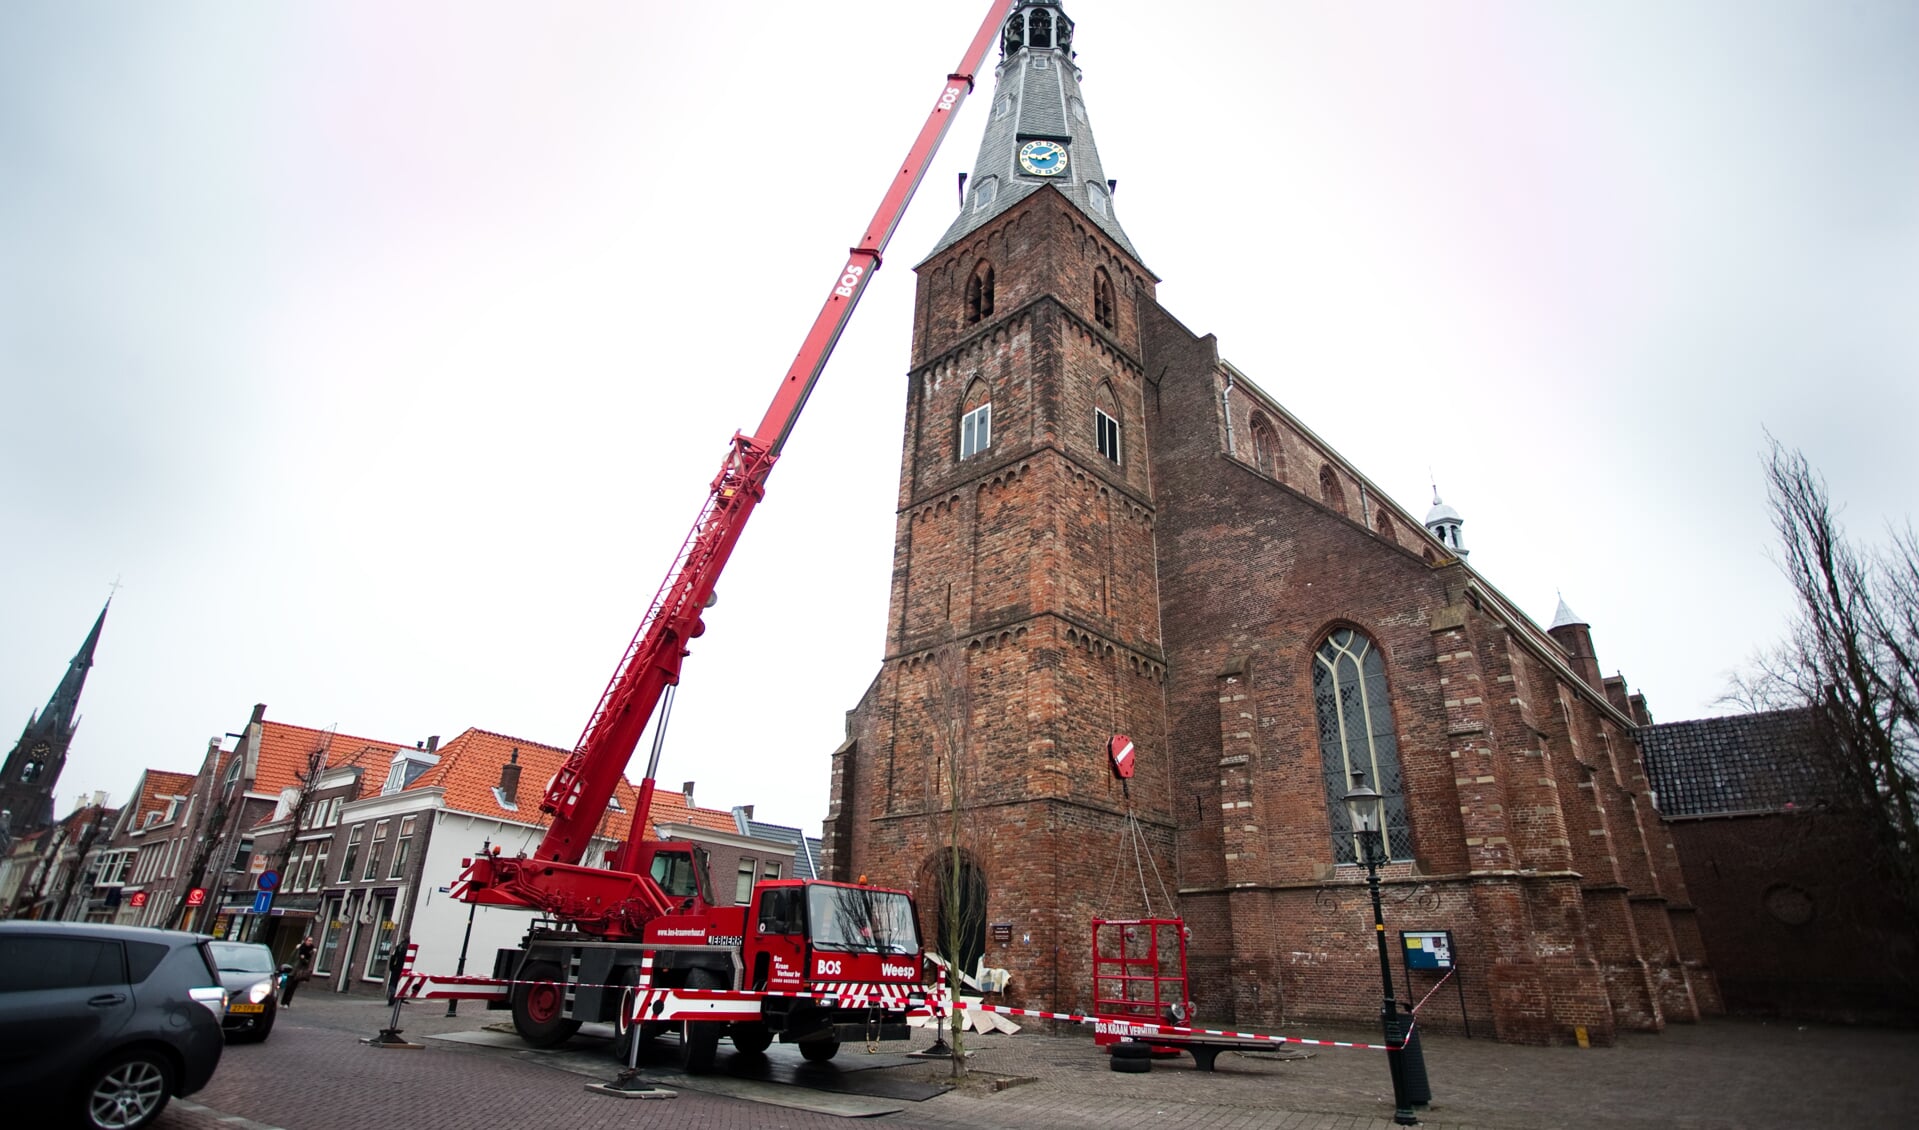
x: 979, y: 293
x: 1103, y: 304
x: 983, y: 194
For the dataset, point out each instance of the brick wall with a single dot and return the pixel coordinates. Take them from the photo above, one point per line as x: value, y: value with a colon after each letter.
x: 1178, y: 596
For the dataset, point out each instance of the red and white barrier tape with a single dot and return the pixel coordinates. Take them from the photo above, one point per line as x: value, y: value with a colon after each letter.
x: 1115, y: 1026
x: 417, y: 986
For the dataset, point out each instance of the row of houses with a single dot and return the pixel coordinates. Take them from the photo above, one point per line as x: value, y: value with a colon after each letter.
x: 285, y: 832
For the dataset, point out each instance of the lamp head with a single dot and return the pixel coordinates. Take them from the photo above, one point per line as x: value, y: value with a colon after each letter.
x: 1364, y: 806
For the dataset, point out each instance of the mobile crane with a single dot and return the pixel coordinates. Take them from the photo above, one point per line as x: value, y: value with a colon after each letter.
x: 640, y: 941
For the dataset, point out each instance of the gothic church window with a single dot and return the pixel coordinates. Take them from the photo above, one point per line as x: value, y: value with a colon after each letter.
x: 979, y: 293
x: 1330, y: 492
x: 1103, y: 298
x: 1385, y: 525
x: 1265, y: 446
x: 1356, y: 735
x: 1106, y: 423
x: 976, y: 425
x: 30, y: 772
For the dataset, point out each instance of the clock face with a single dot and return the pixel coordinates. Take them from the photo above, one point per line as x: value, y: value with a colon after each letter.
x: 1043, y: 158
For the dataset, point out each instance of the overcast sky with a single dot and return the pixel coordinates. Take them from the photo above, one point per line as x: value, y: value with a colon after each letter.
x: 385, y: 351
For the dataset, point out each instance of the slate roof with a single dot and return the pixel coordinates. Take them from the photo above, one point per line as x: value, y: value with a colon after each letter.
x: 806, y: 849
x: 1036, y: 95
x: 1746, y: 763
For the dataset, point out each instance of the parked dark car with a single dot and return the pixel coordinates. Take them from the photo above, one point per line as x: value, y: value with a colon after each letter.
x: 253, y: 988
x: 101, y: 1025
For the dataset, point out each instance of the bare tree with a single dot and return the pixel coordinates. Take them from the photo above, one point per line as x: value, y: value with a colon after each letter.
x: 948, y: 703
x: 1852, y: 658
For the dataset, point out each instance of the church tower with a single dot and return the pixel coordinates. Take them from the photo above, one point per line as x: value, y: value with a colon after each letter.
x: 1023, y: 629
x: 33, y: 768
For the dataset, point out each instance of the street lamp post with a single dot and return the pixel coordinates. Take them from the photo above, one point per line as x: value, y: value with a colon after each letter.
x: 1367, y: 810
x: 453, y: 1005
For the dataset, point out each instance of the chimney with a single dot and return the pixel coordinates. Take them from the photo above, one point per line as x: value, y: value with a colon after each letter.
x: 259, y: 713
x: 688, y: 790
x: 432, y: 743
x: 510, y: 778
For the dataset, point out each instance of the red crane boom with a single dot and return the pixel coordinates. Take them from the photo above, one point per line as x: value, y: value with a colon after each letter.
x: 577, y: 798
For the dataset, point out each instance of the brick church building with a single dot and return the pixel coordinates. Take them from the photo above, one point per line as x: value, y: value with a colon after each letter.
x: 1104, y: 528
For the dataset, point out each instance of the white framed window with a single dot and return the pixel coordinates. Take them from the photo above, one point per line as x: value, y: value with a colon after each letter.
x: 976, y: 431
x: 1108, y: 429
x: 373, y: 850
x: 743, y: 884
x: 384, y: 927
x: 401, y: 847
x: 772, y: 870
x: 319, y: 866
x: 332, y: 927
x: 242, y: 855
x: 352, y: 853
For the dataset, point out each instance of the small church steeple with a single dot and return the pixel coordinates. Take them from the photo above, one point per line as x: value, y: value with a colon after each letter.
x: 31, y: 770
x: 1444, y: 523
x: 1038, y: 133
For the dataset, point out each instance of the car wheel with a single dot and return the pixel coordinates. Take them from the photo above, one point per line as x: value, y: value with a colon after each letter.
x: 126, y: 1091
x: 819, y: 1051
x: 265, y: 1029
x: 539, y: 1010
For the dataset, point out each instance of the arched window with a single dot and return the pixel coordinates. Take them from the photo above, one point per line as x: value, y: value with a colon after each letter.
x: 1106, y: 422
x: 1039, y: 28
x: 976, y: 420
x: 1356, y: 734
x: 1385, y: 525
x: 1103, y: 304
x: 979, y: 293
x: 958, y: 913
x: 1330, y: 492
x: 1265, y: 446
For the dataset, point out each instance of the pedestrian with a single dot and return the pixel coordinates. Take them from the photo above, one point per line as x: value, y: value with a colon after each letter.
x: 302, y: 969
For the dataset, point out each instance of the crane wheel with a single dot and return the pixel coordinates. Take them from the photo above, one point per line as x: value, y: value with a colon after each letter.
x: 700, y: 1039
x: 539, y: 1011
x: 751, y: 1039
x: 819, y: 1051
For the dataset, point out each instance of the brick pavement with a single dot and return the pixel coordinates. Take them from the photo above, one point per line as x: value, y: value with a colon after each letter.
x: 314, y: 1075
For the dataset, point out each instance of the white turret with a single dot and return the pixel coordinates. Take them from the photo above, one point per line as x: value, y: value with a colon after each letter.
x: 1444, y: 522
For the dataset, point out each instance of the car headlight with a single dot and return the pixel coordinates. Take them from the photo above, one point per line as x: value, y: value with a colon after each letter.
x: 260, y: 991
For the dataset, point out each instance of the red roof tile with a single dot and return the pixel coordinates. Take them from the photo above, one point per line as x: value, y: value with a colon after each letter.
x: 469, y: 770
x: 156, y: 785
x: 285, y: 750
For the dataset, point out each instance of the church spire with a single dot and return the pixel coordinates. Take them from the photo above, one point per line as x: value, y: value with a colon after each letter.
x: 1038, y: 134
x: 64, y: 707
x: 28, y: 776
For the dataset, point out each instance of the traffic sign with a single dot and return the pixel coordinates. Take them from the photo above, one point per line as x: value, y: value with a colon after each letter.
x: 262, y: 902
x: 137, y: 899
x: 267, y: 880
x: 197, y: 896
x: 1120, y: 749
